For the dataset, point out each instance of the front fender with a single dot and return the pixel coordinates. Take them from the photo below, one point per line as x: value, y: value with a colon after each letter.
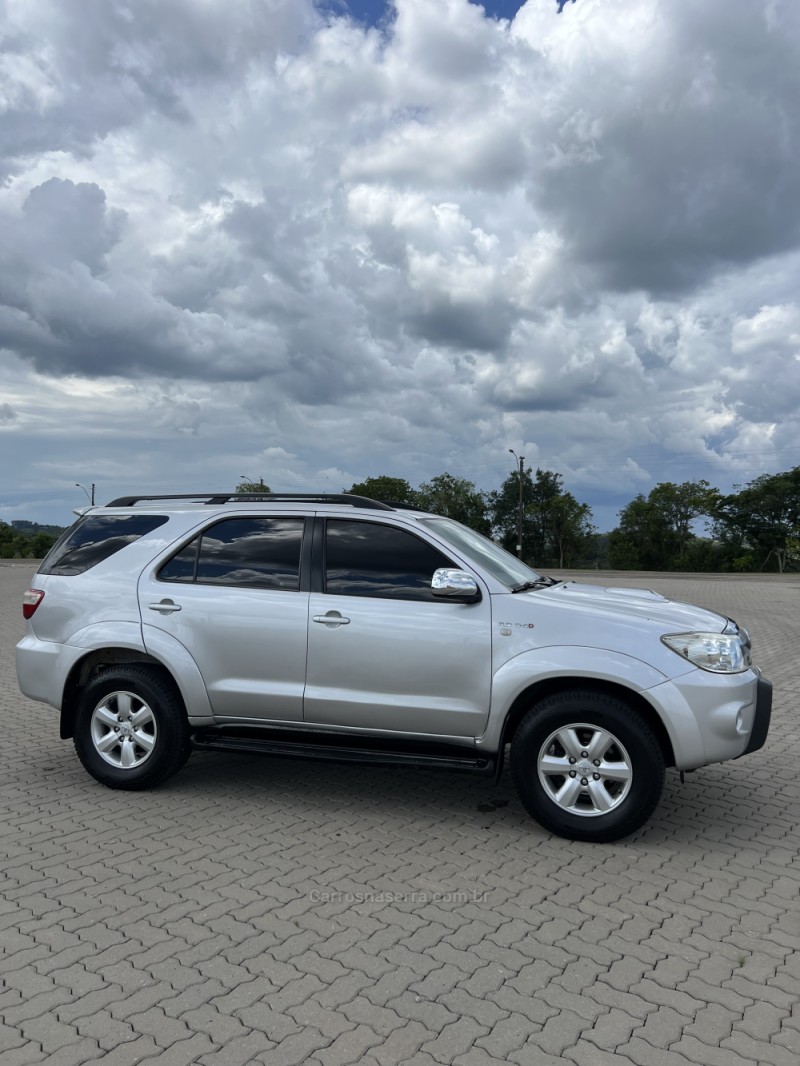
x: 570, y: 663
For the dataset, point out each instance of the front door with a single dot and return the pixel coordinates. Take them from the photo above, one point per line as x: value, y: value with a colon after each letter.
x: 383, y: 653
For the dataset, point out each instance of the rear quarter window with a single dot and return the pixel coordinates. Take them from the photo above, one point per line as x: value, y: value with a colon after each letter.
x: 95, y: 538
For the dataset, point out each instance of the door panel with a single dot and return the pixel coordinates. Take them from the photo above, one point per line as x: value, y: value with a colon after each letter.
x: 383, y: 653
x: 399, y: 665
x: 231, y: 597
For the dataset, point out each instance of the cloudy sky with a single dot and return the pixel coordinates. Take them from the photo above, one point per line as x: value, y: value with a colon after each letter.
x: 318, y: 242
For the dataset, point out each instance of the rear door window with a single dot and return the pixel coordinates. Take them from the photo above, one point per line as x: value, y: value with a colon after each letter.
x: 245, y: 552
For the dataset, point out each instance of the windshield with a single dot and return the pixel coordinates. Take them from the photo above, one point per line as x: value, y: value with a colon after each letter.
x: 483, y: 552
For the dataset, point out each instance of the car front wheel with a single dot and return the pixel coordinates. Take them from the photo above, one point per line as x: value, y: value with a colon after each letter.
x: 587, y: 766
x: 131, y: 730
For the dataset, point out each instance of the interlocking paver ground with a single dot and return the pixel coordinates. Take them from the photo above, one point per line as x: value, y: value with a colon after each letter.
x: 255, y: 910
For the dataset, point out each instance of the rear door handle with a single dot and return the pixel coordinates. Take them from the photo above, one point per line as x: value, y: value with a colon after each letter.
x: 165, y: 606
x: 332, y: 619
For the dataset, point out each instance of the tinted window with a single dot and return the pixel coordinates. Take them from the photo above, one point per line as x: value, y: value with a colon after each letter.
x: 251, y: 552
x: 94, y: 538
x: 368, y: 559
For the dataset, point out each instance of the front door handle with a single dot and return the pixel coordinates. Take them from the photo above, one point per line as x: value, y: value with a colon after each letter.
x: 164, y: 606
x: 332, y: 619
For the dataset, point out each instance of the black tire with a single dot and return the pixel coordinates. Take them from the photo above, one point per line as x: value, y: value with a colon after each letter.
x: 613, y: 766
x: 131, y: 730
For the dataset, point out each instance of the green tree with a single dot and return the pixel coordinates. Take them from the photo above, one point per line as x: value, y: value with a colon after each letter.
x: 655, y: 533
x: 571, y: 526
x: 681, y: 505
x: 504, y: 509
x: 386, y: 489
x: 643, y: 540
x: 762, y: 520
x: 455, y: 497
x: 16, y: 544
x: 554, y: 525
x: 252, y: 486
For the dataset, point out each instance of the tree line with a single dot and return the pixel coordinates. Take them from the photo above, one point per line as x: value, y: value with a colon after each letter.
x: 756, y: 527
x: 27, y: 540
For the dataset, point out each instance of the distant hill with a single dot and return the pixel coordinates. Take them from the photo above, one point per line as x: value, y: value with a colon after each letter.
x: 27, y: 540
x: 31, y: 528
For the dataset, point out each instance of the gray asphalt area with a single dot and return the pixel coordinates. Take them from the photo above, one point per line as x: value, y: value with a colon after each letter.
x: 257, y: 910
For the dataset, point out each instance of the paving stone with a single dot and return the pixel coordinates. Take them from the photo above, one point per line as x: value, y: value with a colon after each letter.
x: 348, y: 1047
x: 560, y: 1032
x: 611, y: 1029
x: 644, y: 1054
x: 294, y: 1050
x: 74, y: 1054
x: 629, y: 1002
x: 132, y: 1052
x: 678, y: 946
x: 589, y: 1054
x: 651, y: 992
x: 330, y: 1023
x: 709, y: 1054
x: 507, y: 1035
x: 663, y: 1027
x: 434, y: 1016
x: 764, y: 1052
x: 182, y: 1052
x: 401, y: 1045
x: 483, y: 1011
x: 221, y: 1028
x: 240, y: 1051
x: 454, y: 1040
x: 23, y: 1054
x: 477, y: 1057
x: 712, y: 1024
x: 382, y: 1020
x: 106, y: 1030
x: 47, y: 1031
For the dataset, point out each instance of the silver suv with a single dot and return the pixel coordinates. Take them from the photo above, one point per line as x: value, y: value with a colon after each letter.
x: 337, y: 627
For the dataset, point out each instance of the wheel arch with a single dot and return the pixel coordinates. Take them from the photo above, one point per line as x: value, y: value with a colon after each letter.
x: 92, y: 665
x: 553, y: 685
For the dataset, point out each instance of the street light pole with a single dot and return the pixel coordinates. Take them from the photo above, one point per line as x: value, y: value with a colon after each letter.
x: 521, y: 461
x: 90, y: 497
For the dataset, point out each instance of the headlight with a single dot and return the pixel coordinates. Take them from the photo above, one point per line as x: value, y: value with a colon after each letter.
x: 721, y: 653
x: 732, y: 627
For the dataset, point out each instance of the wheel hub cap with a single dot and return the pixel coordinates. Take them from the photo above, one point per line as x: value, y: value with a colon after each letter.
x: 123, y: 730
x: 584, y: 770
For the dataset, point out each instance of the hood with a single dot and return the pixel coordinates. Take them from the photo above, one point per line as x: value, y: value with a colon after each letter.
x: 671, y: 615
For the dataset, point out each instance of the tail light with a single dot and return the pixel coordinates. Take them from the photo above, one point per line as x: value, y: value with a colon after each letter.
x: 30, y: 601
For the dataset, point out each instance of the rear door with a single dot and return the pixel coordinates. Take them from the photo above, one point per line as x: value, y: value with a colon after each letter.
x: 234, y: 597
x: 383, y: 653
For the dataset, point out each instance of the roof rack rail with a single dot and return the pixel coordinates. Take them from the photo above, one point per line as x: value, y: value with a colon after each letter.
x: 400, y: 506
x: 216, y: 498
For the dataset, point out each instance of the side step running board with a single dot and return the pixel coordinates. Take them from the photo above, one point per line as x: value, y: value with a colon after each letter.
x: 211, y: 740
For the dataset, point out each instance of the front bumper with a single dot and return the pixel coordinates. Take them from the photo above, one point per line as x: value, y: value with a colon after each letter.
x: 711, y: 718
x: 761, y: 718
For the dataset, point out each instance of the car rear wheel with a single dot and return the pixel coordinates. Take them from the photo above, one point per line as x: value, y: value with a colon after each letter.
x: 587, y: 766
x: 131, y: 730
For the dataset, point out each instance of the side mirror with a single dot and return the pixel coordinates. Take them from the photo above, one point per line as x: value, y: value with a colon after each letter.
x: 455, y: 585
